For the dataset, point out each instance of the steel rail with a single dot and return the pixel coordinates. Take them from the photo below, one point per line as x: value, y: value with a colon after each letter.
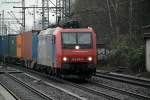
x: 44, y: 96
x: 139, y: 96
x: 92, y: 91
x: 14, y: 95
x: 125, y: 79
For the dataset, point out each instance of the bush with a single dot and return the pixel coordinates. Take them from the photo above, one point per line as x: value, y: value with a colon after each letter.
x: 119, y: 55
x: 137, y: 59
x: 125, y: 56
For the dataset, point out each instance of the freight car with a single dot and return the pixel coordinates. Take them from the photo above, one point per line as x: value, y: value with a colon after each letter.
x: 67, y: 51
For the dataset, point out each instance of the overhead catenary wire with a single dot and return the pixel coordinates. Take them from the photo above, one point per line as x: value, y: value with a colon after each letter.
x: 13, y: 15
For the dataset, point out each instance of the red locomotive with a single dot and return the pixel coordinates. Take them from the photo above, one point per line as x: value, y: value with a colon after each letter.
x: 68, y: 51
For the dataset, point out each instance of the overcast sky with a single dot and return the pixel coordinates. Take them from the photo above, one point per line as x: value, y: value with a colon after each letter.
x: 29, y: 12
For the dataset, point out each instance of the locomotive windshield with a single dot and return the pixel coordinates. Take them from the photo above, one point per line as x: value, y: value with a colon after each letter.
x: 69, y: 38
x: 82, y: 39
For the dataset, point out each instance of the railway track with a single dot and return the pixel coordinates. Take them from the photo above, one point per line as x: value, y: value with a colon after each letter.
x: 93, y: 91
x: 96, y: 92
x: 47, y: 84
x: 122, y: 91
x: 58, y: 88
x: 42, y: 95
x: 124, y: 78
x: 87, y: 89
x: 13, y: 94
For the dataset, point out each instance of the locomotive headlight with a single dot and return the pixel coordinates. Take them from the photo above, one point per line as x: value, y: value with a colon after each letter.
x: 77, y: 47
x: 64, y: 59
x: 90, y: 58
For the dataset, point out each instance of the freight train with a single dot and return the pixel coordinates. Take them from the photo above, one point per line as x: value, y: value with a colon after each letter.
x: 56, y: 51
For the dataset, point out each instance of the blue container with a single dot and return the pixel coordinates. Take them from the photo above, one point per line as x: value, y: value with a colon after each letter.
x: 0, y: 46
x: 34, y: 44
x: 4, y: 46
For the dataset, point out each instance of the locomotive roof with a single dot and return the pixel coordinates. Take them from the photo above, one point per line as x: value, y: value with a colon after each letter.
x: 47, y: 31
x: 50, y: 31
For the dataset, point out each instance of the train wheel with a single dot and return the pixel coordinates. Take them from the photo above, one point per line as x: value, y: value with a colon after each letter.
x: 26, y: 63
x: 33, y: 65
x: 49, y: 71
x: 52, y: 72
x: 37, y: 67
x: 82, y: 77
x: 58, y: 73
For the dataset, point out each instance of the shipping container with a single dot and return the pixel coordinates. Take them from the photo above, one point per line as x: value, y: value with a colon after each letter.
x: 29, y: 45
x: 27, y: 48
x: 0, y: 46
x: 34, y: 44
x: 4, y: 46
x: 19, y: 45
x: 12, y: 45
